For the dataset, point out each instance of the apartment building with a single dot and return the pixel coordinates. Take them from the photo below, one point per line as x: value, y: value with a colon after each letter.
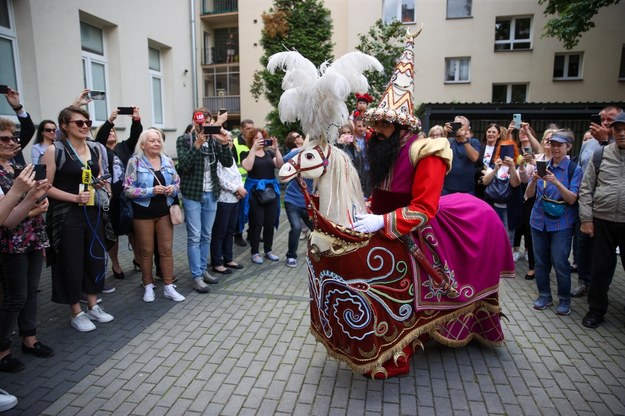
x: 137, y: 51
x: 483, y: 51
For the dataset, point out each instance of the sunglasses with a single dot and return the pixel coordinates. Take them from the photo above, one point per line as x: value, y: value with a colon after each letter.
x: 81, y: 123
x: 7, y: 139
x: 49, y: 130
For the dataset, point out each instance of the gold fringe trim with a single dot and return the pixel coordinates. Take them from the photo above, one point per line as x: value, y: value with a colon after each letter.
x: 430, y: 328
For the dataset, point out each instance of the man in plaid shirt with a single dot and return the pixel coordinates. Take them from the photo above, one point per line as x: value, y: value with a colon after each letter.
x: 198, y: 154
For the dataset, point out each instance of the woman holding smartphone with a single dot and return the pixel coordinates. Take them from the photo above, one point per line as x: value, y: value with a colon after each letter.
x: 264, y: 157
x: 552, y: 221
x: 22, y: 241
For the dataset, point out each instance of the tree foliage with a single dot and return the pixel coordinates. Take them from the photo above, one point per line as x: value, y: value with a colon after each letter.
x: 386, y: 43
x: 304, y: 26
x: 572, y: 18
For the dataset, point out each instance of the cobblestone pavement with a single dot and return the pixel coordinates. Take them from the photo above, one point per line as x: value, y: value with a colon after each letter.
x: 245, y: 349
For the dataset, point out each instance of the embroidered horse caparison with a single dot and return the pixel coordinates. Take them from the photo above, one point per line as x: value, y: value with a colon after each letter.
x: 374, y: 301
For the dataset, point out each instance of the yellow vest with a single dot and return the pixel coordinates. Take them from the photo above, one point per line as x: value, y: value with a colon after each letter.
x: 240, y: 148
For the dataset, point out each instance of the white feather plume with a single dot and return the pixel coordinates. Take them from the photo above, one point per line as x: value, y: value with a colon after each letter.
x: 317, y: 97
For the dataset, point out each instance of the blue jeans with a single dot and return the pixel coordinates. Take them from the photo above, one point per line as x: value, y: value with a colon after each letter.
x: 295, y: 216
x: 553, y: 248
x: 199, y: 217
x: 502, y: 213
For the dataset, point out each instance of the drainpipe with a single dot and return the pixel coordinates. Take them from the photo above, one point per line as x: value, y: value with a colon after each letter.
x: 194, y: 56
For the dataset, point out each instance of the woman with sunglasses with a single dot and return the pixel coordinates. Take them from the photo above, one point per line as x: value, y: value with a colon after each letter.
x: 75, y: 221
x: 22, y: 241
x: 46, y: 133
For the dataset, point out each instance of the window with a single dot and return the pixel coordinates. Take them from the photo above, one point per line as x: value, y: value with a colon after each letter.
x: 8, y: 54
x: 94, y: 67
x: 156, y: 83
x: 621, y: 71
x: 222, y: 81
x: 402, y: 10
x: 513, y: 33
x: 458, y: 8
x: 457, y: 70
x: 567, y: 66
x: 509, y: 93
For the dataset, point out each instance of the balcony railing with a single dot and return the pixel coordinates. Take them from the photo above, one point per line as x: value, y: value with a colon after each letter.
x: 219, y: 6
x: 217, y: 55
x: 232, y: 103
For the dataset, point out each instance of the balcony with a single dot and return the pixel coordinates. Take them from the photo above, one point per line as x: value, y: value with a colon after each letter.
x: 220, y: 12
x: 219, y: 6
x: 232, y: 103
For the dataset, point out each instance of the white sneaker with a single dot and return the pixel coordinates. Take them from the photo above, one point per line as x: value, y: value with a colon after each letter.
x: 148, y: 294
x: 7, y: 401
x: 81, y: 323
x: 171, y: 293
x: 98, y: 314
x: 516, y: 256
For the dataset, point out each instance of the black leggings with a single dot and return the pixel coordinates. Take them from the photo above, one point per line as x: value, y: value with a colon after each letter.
x: 262, y: 217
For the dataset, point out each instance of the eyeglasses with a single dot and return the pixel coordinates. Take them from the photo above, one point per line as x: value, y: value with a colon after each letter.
x: 81, y: 123
x: 6, y: 139
x: 49, y: 130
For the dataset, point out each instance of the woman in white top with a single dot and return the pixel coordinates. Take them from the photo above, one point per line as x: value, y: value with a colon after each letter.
x: 222, y: 235
x: 46, y: 132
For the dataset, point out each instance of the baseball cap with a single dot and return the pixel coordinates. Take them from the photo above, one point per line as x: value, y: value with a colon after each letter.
x: 619, y: 119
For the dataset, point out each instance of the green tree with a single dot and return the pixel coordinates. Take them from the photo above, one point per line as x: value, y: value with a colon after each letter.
x: 572, y: 18
x: 386, y: 43
x: 304, y: 26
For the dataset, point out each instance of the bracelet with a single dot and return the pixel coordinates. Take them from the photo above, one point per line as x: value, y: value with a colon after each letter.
x: 464, y: 142
x: 18, y: 108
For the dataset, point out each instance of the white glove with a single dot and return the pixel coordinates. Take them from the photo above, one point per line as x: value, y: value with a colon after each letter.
x: 369, y: 223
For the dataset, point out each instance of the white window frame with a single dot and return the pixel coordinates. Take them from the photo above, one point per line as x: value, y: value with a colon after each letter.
x: 157, y: 75
x: 10, y: 35
x: 88, y: 60
x: 512, y: 40
x: 457, y: 62
x: 509, y: 91
x: 567, y: 56
x: 389, y: 15
x: 460, y: 17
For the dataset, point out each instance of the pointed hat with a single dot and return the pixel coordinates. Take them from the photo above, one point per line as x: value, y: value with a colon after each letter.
x: 397, y: 105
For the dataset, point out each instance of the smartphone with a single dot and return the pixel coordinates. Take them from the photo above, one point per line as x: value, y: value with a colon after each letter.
x: 541, y: 167
x: 97, y: 95
x: 41, y: 198
x: 212, y: 129
x: 528, y: 150
x: 40, y: 172
x: 517, y: 120
x: 222, y: 110
x: 4, y: 89
x: 455, y: 126
x: 595, y: 118
x: 104, y: 177
x: 268, y: 143
x: 125, y: 111
x: 506, y: 150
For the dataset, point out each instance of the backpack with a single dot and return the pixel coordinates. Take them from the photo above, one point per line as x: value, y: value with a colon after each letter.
x: 597, y: 157
x: 60, y: 148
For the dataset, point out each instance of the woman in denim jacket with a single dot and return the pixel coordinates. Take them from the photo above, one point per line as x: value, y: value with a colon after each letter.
x: 151, y: 184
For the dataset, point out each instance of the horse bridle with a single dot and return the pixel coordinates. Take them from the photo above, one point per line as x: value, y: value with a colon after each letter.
x: 324, y: 161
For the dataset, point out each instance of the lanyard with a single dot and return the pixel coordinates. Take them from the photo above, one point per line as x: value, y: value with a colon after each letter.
x: 86, y: 170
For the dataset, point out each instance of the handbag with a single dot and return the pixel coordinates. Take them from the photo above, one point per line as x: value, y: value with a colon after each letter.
x: 266, y: 196
x: 176, y: 214
x: 553, y: 208
x: 498, y: 190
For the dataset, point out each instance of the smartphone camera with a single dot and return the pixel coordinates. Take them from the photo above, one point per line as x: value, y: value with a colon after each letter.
x: 212, y: 130
x: 40, y: 172
x: 517, y: 121
x: 97, y: 95
x: 268, y: 143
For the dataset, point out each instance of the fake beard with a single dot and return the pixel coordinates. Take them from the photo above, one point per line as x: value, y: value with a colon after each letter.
x: 381, y: 153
